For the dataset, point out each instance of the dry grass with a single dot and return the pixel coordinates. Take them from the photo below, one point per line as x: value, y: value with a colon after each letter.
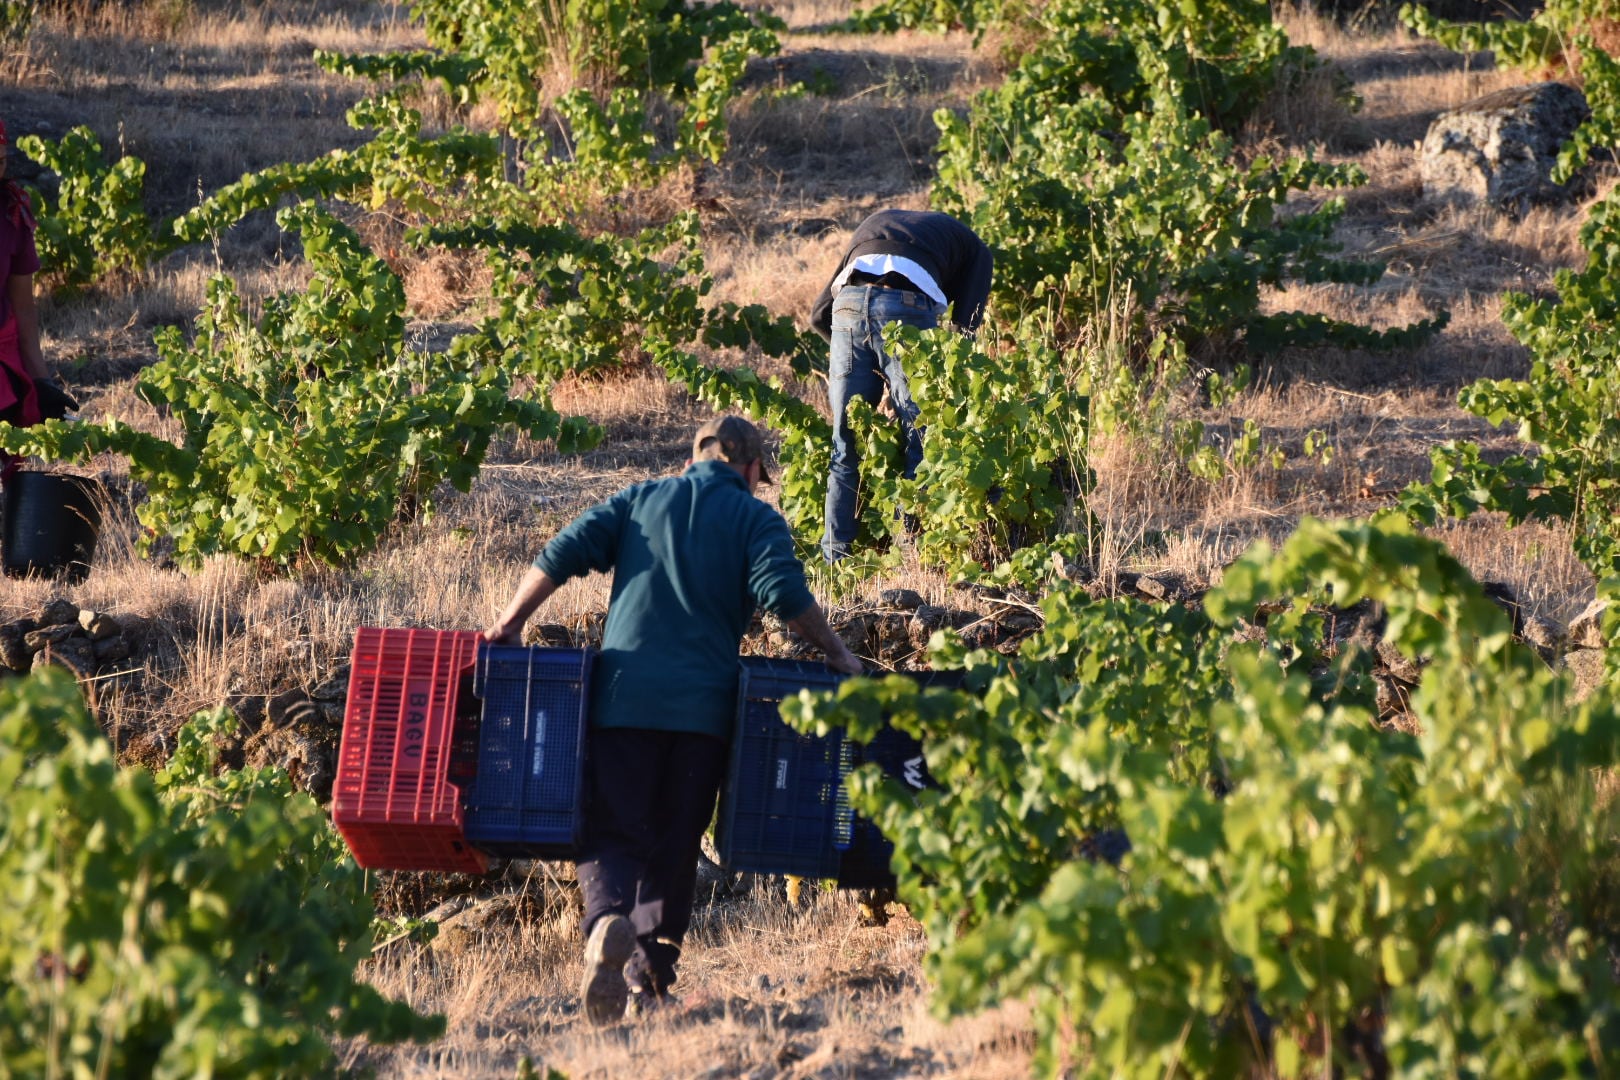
x: 207, y: 92
x: 768, y: 989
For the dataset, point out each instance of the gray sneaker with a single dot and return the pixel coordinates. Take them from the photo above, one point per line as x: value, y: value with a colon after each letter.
x: 604, y: 989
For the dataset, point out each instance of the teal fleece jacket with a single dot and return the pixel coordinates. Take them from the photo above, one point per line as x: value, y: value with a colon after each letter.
x: 692, y: 555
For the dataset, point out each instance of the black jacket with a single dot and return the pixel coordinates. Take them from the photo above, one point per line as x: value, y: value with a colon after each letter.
x: 958, y: 260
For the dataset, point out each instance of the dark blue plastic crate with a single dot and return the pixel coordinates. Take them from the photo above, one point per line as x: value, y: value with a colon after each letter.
x: 865, y: 863
x: 900, y: 756
x: 526, y: 798
x: 784, y: 809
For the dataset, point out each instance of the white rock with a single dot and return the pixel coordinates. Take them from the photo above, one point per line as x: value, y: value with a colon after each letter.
x: 1501, y: 148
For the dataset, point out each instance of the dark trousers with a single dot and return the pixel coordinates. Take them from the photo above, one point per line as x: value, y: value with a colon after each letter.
x: 650, y: 797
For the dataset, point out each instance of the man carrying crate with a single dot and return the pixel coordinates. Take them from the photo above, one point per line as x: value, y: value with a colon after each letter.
x: 692, y: 555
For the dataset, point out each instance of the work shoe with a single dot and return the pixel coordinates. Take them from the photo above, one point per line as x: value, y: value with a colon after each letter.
x: 645, y: 1003
x: 604, y: 990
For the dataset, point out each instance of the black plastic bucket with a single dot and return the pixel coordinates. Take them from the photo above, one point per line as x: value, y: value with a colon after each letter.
x: 50, y: 525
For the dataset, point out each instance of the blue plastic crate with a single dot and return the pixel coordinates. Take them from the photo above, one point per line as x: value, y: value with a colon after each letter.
x: 526, y: 798
x: 784, y: 809
x: 865, y: 863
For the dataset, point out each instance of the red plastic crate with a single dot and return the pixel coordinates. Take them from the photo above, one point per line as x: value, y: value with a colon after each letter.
x: 397, y: 800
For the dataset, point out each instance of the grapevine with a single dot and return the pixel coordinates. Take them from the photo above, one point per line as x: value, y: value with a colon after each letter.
x: 1566, y: 406
x: 1289, y: 860
x: 281, y: 419
x: 193, y: 922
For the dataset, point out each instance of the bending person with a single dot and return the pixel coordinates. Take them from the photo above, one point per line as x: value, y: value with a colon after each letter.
x: 901, y: 266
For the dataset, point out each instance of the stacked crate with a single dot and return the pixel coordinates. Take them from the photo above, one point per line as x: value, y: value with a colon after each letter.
x: 865, y: 863
x: 526, y: 795
x: 785, y: 808
x: 454, y: 749
x: 397, y: 795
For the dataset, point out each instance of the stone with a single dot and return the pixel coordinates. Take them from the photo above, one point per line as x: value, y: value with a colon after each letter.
x: 555, y: 635
x: 891, y: 638
x: 1586, y: 630
x: 889, y: 626
x: 900, y: 599
x: 1019, y: 621
x: 1502, y: 595
x: 98, y: 625
x: 1157, y: 588
x: 589, y: 632
x: 111, y: 648
x: 1390, y: 696
x: 453, y: 941
x: 21, y: 626
x: 1071, y: 571
x: 874, y: 906
x: 928, y: 618
x: 1248, y: 633
x: 444, y: 909
x: 853, y: 633
x: 335, y: 688
x: 712, y: 879
x: 294, y: 708
x: 493, y: 913
x: 981, y: 635
x: 715, y: 881
x: 49, y: 634
x: 1501, y: 148
x: 1585, y: 667
x: 307, y: 763
x: 1543, y: 635
x: 58, y: 612
x: 481, y: 920
x: 73, y: 653
x: 249, y: 709
x: 1407, y: 671
x: 13, y: 653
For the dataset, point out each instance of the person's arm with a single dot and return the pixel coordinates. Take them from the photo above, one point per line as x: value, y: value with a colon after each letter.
x: 812, y: 623
x: 776, y: 582
x: 535, y: 588
x: 821, y: 310
x: 590, y: 541
x: 20, y: 294
x: 972, y: 289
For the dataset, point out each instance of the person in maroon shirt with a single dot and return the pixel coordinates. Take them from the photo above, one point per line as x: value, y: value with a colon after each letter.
x: 27, y: 395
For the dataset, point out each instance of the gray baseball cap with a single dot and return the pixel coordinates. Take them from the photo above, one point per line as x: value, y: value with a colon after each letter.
x: 730, y: 439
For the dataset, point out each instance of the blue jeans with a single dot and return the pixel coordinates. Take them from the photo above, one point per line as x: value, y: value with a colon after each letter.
x: 859, y: 367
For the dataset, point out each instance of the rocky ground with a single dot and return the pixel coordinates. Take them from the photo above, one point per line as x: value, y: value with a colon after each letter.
x: 298, y: 728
